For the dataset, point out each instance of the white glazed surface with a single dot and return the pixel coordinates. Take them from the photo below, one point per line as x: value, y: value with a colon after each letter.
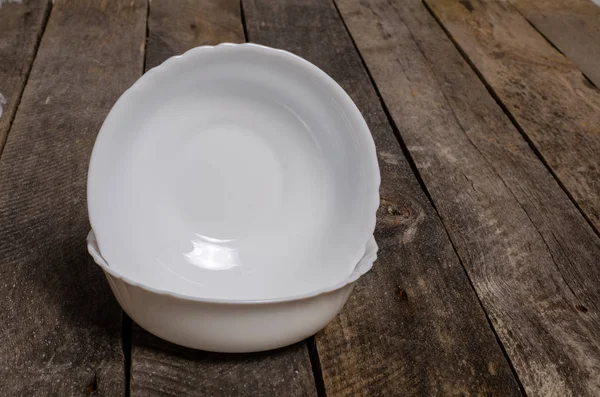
x: 233, y: 327
x: 234, y: 172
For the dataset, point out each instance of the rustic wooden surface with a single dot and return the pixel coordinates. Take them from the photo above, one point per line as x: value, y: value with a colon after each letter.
x: 487, y: 281
x: 160, y: 368
x: 529, y: 252
x: 60, y: 326
x: 175, y: 27
x: 413, y: 325
x: 21, y: 26
x: 573, y: 26
x: 554, y: 105
x: 164, y: 369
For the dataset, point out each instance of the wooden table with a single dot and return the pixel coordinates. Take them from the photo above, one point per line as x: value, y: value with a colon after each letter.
x: 486, y: 117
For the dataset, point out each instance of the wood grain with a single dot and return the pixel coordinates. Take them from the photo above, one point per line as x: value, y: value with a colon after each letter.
x: 573, y: 26
x: 21, y: 26
x: 175, y: 28
x: 551, y: 101
x: 160, y: 368
x: 530, y: 254
x: 413, y: 325
x: 59, y: 323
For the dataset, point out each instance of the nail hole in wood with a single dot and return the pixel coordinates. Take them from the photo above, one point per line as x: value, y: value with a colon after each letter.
x: 400, y: 293
x: 93, y: 385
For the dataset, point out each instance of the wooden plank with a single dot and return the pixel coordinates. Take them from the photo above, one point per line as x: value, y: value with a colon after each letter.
x: 160, y: 368
x: 413, y: 325
x: 175, y: 28
x: 552, y: 102
x: 573, y: 26
x: 21, y: 26
x: 530, y: 254
x: 59, y: 323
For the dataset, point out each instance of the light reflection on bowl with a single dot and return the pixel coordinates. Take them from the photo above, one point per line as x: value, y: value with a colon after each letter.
x: 212, y: 254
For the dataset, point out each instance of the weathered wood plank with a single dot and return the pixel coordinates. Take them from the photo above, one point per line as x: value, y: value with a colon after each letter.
x: 573, y: 26
x: 21, y: 26
x: 160, y: 368
x: 530, y: 254
x: 552, y: 102
x: 175, y: 28
x: 59, y: 323
x: 413, y: 325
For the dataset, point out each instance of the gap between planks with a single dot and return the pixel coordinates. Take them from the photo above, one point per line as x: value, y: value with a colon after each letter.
x: 4, y: 138
x: 315, y: 362
x: 243, y: 21
x: 126, y: 321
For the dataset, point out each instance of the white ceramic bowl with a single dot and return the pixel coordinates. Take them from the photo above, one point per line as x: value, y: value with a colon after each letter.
x: 230, y: 326
x: 235, y: 172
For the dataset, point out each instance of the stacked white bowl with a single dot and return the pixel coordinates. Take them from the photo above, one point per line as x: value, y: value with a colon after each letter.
x: 232, y: 194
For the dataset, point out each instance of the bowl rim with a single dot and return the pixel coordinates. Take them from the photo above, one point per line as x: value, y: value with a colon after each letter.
x: 372, y: 200
x: 362, y: 267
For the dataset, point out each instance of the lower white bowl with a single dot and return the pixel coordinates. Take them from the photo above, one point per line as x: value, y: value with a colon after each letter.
x: 230, y: 326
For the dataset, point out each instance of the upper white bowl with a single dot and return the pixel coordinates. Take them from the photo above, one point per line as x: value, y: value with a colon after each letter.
x: 235, y: 172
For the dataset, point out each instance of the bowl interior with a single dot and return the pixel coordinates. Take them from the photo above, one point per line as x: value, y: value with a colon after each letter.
x: 236, y: 172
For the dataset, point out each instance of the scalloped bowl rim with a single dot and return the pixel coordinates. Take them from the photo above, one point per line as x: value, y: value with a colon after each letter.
x: 363, y: 266
x: 372, y: 201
